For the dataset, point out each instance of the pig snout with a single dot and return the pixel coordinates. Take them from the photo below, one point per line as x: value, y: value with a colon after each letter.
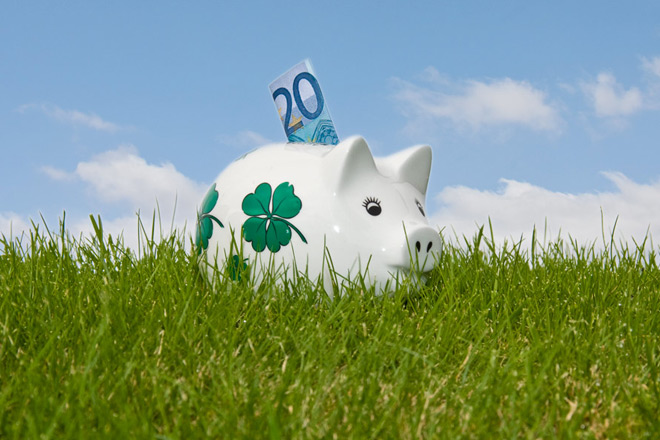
x: 423, y: 248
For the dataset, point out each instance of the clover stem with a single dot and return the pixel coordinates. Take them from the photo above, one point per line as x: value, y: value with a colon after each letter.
x: 302, y: 237
x: 214, y: 218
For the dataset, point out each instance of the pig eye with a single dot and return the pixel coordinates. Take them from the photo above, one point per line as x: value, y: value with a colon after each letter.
x: 419, y: 206
x: 372, y: 205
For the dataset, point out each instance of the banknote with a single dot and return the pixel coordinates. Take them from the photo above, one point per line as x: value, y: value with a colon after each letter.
x: 302, y: 107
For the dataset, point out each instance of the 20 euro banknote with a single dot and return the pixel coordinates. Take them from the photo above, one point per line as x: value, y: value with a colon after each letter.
x: 302, y: 107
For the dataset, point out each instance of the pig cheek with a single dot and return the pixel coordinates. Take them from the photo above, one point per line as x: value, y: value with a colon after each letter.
x: 380, y: 236
x: 353, y: 229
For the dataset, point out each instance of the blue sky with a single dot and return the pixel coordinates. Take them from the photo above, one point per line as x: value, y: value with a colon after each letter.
x: 537, y: 113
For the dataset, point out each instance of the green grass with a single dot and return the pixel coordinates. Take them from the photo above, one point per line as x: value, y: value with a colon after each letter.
x: 95, y: 342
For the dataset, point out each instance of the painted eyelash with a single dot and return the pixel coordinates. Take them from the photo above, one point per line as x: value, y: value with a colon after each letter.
x: 369, y: 200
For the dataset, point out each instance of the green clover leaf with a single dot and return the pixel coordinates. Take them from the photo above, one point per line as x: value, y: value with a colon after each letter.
x: 254, y: 231
x: 205, y: 220
x: 257, y: 202
x: 266, y: 227
x: 285, y: 203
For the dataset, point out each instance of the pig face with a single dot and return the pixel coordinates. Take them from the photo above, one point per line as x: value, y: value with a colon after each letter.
x: 379, y: 209
x: 294, y: 205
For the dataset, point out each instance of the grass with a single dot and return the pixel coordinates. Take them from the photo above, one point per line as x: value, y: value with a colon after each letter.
x: 554, y: 343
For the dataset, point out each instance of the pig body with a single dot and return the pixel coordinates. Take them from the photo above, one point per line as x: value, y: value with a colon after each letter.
x: 329, y: 212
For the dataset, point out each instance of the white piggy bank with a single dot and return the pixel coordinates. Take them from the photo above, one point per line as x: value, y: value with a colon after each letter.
x: 329, y: 212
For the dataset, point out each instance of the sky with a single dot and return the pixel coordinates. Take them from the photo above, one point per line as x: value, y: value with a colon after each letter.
x: 540, y: 115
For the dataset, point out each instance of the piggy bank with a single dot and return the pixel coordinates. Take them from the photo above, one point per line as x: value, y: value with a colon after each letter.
x: 329, y: 213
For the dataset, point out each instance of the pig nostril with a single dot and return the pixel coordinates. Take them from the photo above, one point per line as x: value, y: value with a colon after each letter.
x: 418, y: 245
x: 428, y: 248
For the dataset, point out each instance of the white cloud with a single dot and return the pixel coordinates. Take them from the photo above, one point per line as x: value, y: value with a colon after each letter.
x: 243, y: 140
x: 123, y: 177
x: 609, y: 98
x: 74, y: 117
x: 477, y: 104
x: 652, y: 68
x: 652, y: 65
x: 432, y: 75
x: 518, y: 207
x: 12, y: 224
x: 56, y: 173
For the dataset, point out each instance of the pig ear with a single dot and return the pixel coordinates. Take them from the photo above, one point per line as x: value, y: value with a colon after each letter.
x: 349, y: 162
x: 412, y: 165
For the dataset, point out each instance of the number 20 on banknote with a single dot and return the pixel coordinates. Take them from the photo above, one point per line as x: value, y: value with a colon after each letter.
x: 301, y: 106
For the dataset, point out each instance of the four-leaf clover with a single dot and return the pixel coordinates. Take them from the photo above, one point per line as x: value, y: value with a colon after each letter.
x: 205, y: 220
x: 266, y: 226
